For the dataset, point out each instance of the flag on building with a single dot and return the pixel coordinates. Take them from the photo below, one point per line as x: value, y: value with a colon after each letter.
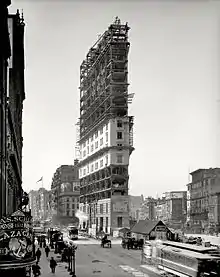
x: 41, y: 179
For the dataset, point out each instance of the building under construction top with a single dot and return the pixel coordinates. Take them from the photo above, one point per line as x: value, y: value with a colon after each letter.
x: 103, y: 78
x: 105, y: 131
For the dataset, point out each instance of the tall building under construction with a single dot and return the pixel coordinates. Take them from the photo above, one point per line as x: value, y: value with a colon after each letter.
x: 105, y: 132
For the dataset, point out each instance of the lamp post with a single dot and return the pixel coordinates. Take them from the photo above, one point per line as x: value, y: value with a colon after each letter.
x: 72, y: 260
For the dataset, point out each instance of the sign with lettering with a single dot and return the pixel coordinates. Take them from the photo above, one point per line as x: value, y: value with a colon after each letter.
x: 16, y: 237
x: 160, y: 229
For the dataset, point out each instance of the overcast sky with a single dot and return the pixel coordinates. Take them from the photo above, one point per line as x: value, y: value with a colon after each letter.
x: 174, y: 73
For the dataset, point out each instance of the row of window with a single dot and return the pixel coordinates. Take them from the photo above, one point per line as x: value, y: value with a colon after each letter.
x: 70, y: 199
x: 98, y: 165
x: 74, y: 206
x: 95, y: 146
x: 102, y: 208
x: 95, y: 136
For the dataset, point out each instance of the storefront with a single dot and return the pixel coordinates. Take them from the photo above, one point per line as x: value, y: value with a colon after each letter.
x: 17, y: 253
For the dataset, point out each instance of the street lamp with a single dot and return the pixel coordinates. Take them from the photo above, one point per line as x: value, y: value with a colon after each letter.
x: 72, y: 260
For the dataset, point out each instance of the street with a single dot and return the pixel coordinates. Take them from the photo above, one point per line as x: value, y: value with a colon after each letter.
x: 92, y: 260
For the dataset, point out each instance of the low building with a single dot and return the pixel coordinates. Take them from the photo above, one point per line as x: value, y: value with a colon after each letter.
x: 204, y: 201
x: 66, y: 191
x: 151, y: 230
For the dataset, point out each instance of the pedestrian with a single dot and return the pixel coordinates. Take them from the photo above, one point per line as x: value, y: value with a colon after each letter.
x: 53, y: 265
x: 36, y: 269
x: 38, y: 254
x: 47, y: 251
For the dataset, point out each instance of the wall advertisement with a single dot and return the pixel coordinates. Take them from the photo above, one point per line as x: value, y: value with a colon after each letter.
x: 16, y: 238
x: 120, y: 204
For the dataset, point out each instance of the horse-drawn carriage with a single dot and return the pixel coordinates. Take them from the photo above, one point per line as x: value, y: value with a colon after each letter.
x: 132, y: 243
x: 106, y: 241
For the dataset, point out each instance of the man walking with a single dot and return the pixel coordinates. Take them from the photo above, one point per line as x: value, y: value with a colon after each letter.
x: 38, y: 254
x: 47, y: 251
x: 53, y: 265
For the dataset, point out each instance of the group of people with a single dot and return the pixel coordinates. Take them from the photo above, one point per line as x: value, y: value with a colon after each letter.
x: 52, y: 263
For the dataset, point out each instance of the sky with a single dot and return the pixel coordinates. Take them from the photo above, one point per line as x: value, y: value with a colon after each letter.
x: 173, y: 71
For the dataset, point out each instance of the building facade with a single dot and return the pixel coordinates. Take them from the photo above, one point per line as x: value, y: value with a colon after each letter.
x: 106, y: 131
x: 147, y: 210
x: 16, y: 96
x: 175, y: 209
x: 160, y: 209
x: 204, y: 201
x: 65, y: 191
x: 135, y: 203
x: 5, y: 53
x: 12, y: 96
x: 40, y: 204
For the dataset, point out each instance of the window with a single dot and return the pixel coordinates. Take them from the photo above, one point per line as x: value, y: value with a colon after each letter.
x: 119, y: 123
x: 92, y: 148
x: 96, y: 165
x: 101, y: 131
x: 106, y: 160
x: 119, y: 135
x: 106, y: 127
x: 84, y: 171
x: 77, y: 206
x: 119, y: 159
x: 67, y: 213
x: 96, y: 134
x: 84, y: 145
x: 87, y: 169
x: 101, y: 208
x: 101, y: 141
x: 101, y: 163
x: 91, y: 138
x: 73, y: 206
x: 88, y: 150
x: 67, y: 200
x: 84, y: 153
x: 119, y: 221
x: 67, y: 205
x: 106, y: 210
x: 106, y: 137
x: 96, y: 144
x: 106, y: 222
x: 92, y: 167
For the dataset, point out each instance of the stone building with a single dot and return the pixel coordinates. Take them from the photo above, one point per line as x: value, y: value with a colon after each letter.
x: 40, y: 204
x: 135, y: 203
x: 65, y: 191
x: 5, y: 53
x: 204, y: 201
x: 12, y: 96
x: 15, y: 98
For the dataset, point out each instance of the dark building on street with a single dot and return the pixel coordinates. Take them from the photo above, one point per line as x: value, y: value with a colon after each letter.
x: 5, y: 53
x: 15, y: 100
x: 12, y: 96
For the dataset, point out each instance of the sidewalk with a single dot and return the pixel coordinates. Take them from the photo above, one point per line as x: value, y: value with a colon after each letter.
x: 61, y: 269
